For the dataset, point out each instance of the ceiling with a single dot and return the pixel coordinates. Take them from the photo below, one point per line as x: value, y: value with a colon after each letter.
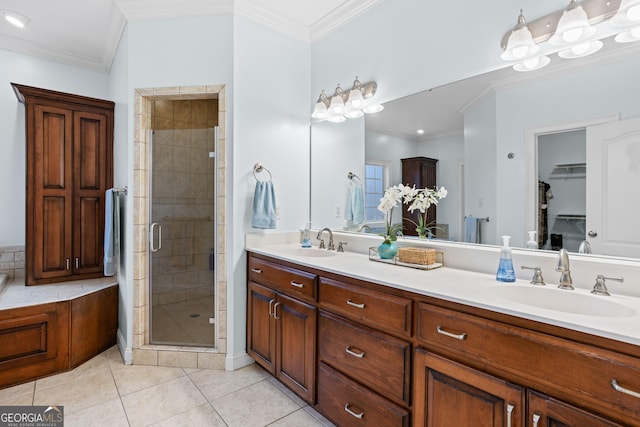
x: 85, y: 33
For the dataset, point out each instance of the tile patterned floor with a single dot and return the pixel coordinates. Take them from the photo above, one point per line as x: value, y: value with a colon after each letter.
x: 105, y: 392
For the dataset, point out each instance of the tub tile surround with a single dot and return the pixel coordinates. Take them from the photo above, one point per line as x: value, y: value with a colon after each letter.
x: 470, y: 271
x: 143, y: 352
x: 12, y: 261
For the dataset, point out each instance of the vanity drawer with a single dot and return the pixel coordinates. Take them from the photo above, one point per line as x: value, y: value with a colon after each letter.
x: 289, y: 281
x: 372, y: 358
x: 349, y: 404
x: 380, y: 310
x: 574, y: 372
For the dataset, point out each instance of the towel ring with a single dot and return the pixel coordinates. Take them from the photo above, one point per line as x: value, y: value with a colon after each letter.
x: 352, y: 176
x: 258, y: 168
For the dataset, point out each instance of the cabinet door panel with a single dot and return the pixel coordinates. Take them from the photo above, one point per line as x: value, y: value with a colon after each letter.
x: 544, y: 411
x: 448, y: 393
x: 261, y: 330
x: 90, y: 140
x: 295, y: 367
x: 88, y: 236
x: 52, y: 147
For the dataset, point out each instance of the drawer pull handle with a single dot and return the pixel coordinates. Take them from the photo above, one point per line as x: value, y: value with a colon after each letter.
x: 460, y: 337
x: 270, y: 307
x: 617, y: 387
x: 355, y: 354
x: 510, y: 408
x: 297, y: 285
x: 350, y: 412
x: 256, y: 270
x: 275, y: 311
x: 536, y: 419
x: 353, y: 304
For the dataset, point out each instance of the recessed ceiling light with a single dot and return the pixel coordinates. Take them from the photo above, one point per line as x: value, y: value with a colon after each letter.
x: 420, y: 131
x: 15, y: 18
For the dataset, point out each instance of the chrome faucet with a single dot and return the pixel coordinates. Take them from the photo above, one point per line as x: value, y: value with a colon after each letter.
x: 563, y: 267
x: 331, y: 246
x: 366, y: 228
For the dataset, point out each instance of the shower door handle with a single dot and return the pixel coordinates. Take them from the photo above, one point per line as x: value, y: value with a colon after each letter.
x: 152, y: 235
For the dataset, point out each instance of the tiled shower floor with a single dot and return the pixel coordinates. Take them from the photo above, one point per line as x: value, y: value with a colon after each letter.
x: 184, y: 323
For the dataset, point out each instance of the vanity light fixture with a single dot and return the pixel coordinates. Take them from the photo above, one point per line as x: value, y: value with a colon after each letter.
x: 352, y: 103
x: 570, y: 32
x: 15, y: 18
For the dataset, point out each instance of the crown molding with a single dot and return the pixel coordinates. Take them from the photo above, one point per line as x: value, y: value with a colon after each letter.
x: 253, y: 11
x: 145, y: 9
x: 340, y: 16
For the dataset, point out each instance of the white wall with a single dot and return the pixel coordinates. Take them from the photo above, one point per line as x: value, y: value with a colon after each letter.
x: 30, y: 71
x: 381, y: 147
x: 336, y: 150
x: 123, y: 176
x: 271, y: 126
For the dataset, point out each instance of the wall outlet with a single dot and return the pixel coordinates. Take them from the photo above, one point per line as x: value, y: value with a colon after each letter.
x: 338, y: 211
x: 278, y: 212
x: 480, y: 202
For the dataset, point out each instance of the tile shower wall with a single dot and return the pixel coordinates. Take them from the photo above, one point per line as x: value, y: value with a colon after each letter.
x: 12, y: 261
x: 183, y: 199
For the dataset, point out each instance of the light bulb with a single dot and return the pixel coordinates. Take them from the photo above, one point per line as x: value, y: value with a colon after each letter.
x: 633, y: 13
x: 531, y: 63
x: 581, y: 48
x: 572, y: 35
x: 635, y: 32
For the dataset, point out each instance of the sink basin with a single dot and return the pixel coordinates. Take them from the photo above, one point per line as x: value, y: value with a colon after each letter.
x: 311, y: 252
x: 564, y: 301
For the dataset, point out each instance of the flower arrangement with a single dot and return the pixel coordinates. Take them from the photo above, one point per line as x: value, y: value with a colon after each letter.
x: 420, y: 199
x: 390, y: 199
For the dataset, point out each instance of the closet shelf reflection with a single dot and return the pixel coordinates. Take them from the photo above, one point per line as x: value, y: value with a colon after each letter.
x: 571, y: 217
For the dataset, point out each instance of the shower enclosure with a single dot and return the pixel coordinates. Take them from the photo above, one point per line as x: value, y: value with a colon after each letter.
x: 182, y: 230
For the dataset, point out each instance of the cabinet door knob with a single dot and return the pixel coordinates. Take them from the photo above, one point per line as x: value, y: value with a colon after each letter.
x: 354, y: 414
x: 353, y: 304
x: 592, y: 233
x: 354, y: 353
x: 460, y: 337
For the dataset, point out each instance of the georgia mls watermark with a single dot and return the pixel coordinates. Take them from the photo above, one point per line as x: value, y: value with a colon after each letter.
x: 31, y: 416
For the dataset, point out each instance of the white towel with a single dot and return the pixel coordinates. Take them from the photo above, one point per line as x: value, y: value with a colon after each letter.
x: 109, y: 253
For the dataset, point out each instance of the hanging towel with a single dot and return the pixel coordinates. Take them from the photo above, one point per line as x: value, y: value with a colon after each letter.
x: 109, y: 253
x: 471, y: 229
x: 264, y: 206
x: 355, y: 204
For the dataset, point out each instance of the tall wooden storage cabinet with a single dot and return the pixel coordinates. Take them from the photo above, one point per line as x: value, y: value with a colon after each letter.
x: 421, y: 172
x: 69, y: 168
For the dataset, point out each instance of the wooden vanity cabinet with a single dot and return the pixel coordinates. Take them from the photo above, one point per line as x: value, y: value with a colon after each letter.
x: 421, y: 172
x: 69, y: 168
x: 281, y: 330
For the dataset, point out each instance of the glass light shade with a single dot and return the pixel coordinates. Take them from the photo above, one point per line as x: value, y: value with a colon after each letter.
x: 353, y: 113
x: 520, y: 45
x: 628, y: 14
x: 632, y: 35
x: 320, y: 111
x: 532, y: 64
x: 581, y: 49
x: 573, y: 27
x: 373, y: 108
x: 337, y: 119
x: 355, y: 99
x: 337, y: 105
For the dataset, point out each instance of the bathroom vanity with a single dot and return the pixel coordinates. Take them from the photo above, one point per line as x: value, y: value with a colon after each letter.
x: 367, y: 343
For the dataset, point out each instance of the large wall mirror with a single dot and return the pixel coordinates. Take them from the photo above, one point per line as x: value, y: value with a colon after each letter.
x: 556, y: 151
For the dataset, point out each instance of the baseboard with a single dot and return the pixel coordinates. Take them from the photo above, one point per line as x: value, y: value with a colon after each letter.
x: 237, y: 361
x: 125, y: 352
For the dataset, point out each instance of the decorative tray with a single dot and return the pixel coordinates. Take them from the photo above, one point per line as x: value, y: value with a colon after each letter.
x: 439, y: 260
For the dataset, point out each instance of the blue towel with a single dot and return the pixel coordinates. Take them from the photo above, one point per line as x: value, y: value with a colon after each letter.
x: 471, y: 234
x: 355, y: 203
x: 109, y: 255
x: 264, y: 206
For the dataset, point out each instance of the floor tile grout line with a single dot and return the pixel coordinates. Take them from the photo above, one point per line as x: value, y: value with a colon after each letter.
x: 205, y: 398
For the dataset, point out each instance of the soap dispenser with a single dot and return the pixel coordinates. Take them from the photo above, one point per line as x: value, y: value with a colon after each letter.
x: 306, y: 239
x: 532, y: 243
x: 505, y: 268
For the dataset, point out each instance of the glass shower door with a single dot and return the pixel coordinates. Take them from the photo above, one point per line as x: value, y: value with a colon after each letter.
x: 182, y: 237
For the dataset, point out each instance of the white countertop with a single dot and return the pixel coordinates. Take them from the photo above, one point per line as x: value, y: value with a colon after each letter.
x: 15, y: 294
x: 478, y: 290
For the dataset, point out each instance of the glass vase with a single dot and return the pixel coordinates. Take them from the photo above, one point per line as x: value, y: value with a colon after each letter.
x: 387, y: 250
